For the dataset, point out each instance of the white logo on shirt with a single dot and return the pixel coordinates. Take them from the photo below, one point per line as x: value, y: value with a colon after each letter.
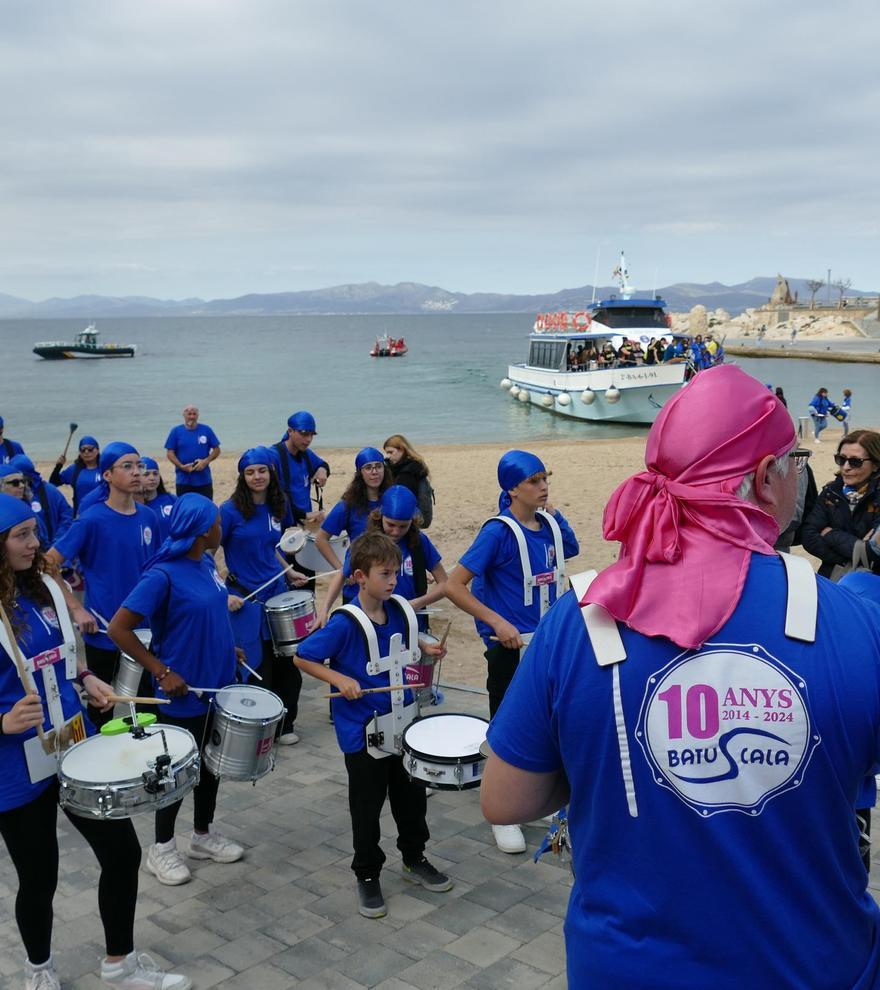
x: 274, y: 523
x: 406, y: 566
x: 219, y: 582
x: 147, y: 535
x: 49, y: 615
x: 36, y: 506
x: 166, y: 510
x: 202, y: 438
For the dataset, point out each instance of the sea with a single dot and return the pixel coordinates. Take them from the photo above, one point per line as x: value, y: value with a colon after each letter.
x: 248, y: 374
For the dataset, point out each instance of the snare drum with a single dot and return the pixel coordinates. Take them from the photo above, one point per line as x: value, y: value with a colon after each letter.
x: 311, y: 557
x: 129, y: 673
x: 116, y: 776
x: 292, y: 616
x: 422, y: 673
x: 443, y: 751
x: 241, y: 743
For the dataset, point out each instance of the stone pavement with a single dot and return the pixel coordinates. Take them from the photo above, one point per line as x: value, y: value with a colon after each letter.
x: 286, y: 915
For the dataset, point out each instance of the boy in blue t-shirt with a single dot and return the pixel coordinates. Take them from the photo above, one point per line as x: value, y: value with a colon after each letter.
x: 191, y: 446
x: 375, y: 561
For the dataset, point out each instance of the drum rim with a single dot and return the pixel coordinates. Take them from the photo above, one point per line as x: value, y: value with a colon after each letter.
x: 235, y: 716
x: 446, y: 760
x: 309, y: 597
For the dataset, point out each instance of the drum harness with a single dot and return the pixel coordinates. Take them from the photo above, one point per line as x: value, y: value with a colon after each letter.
x: 384, y: 733
x: 801, y: 612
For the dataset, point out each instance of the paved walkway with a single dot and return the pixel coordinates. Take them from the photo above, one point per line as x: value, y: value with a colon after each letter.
x: 286, y: 916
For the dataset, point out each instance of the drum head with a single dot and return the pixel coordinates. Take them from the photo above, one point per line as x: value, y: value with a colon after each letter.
x: 290, y: 599
x: 248, y: 702
x: 445, y: 737
x: 106, y: 759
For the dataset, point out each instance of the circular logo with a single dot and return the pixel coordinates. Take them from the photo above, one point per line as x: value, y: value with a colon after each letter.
x: 148, y: 535
x: 247, y: 703
x: 726, y: 729
x: 35, y: 505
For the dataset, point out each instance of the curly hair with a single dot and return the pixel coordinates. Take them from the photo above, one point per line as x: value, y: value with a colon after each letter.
x: 243, y: 499
x: 28, y: 583
x: 374, y: 525
x: 357, y: 497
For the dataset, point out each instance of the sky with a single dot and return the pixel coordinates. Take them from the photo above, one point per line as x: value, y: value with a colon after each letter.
x: 211, y: 148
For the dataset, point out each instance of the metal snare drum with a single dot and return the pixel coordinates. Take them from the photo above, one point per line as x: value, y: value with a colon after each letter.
x: 120, y: 776
x: 129, y: 673
x: 292, y: 616
x: 241, y: 741
x: 443, y: 751
x: 422, y: 673
x: 312, y: 558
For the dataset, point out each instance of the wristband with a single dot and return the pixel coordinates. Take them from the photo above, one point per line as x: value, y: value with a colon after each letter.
x: 82, y: 675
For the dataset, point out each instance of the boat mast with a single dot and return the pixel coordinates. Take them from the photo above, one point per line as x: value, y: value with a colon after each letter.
x: 622, y: 276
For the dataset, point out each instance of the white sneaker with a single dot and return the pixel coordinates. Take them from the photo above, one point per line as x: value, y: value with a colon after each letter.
x: 288, y: 738
x: 141, y: 972
x: 214, y: 846
x: 42, y: 977
x: 509, y: 838
x: 166, y: 864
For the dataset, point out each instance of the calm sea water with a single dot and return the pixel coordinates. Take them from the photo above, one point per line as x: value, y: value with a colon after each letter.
x: 247, y: 374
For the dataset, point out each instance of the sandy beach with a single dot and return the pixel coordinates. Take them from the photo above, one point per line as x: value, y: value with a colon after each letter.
x: 584, y: 474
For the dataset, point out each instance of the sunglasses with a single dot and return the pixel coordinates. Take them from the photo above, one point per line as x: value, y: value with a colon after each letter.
x: 87, y: 449
x: 14, y: 482
x: 854, y: 462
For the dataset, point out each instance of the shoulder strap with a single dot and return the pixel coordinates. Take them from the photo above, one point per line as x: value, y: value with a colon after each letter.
x: 557, y: 543
x: 285, y: 467
x: 43, y: 499
x: 420, y: 568
x: 525, y: 564
x: 802, y: 604
x: 360, y: 617
x: 65, y: 623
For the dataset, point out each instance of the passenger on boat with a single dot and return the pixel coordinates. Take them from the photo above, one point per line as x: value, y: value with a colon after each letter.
x: 638, y: 352
x: 655, y: 351
x: 626, y: 355
x: 608, y: 356
x: 590, y: 356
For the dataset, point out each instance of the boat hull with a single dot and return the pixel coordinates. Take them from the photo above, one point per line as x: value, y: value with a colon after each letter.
x: 65, y: 353
x: 642, y: 391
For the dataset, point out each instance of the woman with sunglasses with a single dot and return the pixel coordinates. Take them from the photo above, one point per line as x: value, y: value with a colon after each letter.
x: 847, y: 510
x: 83, y: 475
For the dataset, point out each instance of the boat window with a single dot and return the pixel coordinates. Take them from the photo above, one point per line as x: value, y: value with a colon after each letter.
x: 623, y: 318
x: 547, y: 354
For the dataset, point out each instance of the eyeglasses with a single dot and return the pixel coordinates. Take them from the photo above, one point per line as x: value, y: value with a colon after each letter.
x: 801, y: 456
x: 373, y: 467
x: 87, y: 449
x: 15, y: 482
x: 854, y: 462
x: 128, y: 466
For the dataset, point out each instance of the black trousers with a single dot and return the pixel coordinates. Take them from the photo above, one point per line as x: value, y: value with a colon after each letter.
x: 103, y: 663
x: 369, y: 782
x: 206, y: 490
x: 205, y: 791
x: 32, y: 840
x: 281, y: 675
x: 502, y: 666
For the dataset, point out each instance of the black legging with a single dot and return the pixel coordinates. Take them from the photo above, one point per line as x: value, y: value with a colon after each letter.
x: 205, y: 791
x: 31, y: 837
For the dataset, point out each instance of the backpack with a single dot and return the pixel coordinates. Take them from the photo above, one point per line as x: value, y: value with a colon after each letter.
x: 426, y: 500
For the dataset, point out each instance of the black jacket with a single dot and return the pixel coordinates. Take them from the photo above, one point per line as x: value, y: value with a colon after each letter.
x: 847, y: 523
x: 408, y: 473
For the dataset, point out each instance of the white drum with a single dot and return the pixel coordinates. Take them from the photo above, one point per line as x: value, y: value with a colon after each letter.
x: 128, y: 673
x: 443, y: 751
x: 312, y: 558
x: 119, y: 776
x: 241, y: 743
x: 291, y: 617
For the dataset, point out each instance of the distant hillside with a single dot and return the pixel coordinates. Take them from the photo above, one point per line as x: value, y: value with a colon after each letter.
x: 404, y: 297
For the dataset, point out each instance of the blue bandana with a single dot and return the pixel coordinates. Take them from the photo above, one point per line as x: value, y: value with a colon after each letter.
x: 399, y: 503
x: 515, y: 466
x: 303, y: 421
x: 88, y: 441
x: 369, y: 455
x: 10, y: 468
x: 191, y: 517
x: 26, y: 466
x: 13, y: 511
x: 109, y: 456
x: 255, y: 455
x: 148, y: 464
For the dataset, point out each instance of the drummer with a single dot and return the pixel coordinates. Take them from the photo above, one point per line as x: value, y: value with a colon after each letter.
x: 397, y: 517
x: 252, y: 522
x: 155, y: 496
x: 29, y: 785
x: 352, y: 511
x: 375, y: 560
x: 182, y: 595
x: 83, y: 475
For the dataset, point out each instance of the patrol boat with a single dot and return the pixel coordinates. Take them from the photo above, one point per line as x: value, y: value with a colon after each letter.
x: 599, y: 390
x: 85, y: 346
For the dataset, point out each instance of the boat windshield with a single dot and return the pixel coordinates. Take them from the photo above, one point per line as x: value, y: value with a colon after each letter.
x: 631, y: 317
x: 548, y: 354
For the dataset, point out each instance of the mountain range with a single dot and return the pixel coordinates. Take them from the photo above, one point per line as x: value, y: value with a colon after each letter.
x: 402, y: 298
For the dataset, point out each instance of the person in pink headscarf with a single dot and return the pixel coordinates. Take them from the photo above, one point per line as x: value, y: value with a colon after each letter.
x: 709, y: 710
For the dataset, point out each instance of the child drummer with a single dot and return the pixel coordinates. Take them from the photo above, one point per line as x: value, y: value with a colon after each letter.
x: 375, y: 560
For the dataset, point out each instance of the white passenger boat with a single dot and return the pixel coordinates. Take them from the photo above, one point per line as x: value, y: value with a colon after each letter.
x: 566, y: 372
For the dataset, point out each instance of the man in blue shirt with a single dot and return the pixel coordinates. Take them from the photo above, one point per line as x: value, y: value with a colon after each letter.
x: 298, y: 466
x: 8, y: 448
x: 709, y: 711
x: 191, y: 446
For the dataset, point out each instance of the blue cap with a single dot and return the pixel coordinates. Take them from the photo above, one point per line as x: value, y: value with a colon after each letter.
x: 10, y: 468
x: 13, y: 511
x: 515, y: 466
x: 255, y: 455
x: 25, y: 465
x: 191, y: 516
x: 88, y: 441
x: 303, y: 421
x: 112, y: 452
x: 148, y: 463
x: 399, y: 503
x: 369, y: 455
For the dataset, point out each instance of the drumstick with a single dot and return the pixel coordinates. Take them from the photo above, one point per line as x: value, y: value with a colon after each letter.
x: 443, y: 640
x: 124, y: 699
x: 23, y: 673
x: 391, y: 687
x: 249, y: 669
x: 272, y: 580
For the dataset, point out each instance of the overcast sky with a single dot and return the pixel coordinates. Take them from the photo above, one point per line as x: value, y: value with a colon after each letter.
x: 210, y: 148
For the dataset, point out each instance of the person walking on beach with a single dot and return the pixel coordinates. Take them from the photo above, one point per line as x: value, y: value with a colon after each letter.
x: 191, y: 446
x: 517, y: 565
x: 819, y: 408
x: 846, y: 408
x: 706, y: 708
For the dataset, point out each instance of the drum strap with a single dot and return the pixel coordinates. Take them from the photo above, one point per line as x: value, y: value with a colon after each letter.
x: 530, y: 581
x: 802, y: 603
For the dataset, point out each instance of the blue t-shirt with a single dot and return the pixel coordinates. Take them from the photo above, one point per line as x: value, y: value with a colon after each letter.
x: 493, y: 559
x: 86, y: 480
x: 192, y: 445
x: 742, y: 867
x: 249, y: 548
x: 301, y: 468
x: 406, y: 584
x: 344, y: 518
x: 41, y: 636
x: 162, y: 506
x: 112, y: 549
x: 56, y: 519
x: 342, y: 641
x: 186, y: 604
x: 9, y: 449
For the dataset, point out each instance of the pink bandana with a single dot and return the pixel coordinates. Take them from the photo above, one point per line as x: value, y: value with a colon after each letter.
x: 685, y: 538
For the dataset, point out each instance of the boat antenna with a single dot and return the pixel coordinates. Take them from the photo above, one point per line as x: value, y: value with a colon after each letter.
x: 622, y: 276
x: 654, y: 291
x: 596, y: 274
